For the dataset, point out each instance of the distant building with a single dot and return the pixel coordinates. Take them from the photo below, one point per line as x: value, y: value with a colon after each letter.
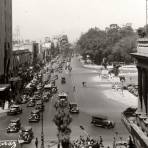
x: 5, y: 37
x: 47, y: 39
x: 114, y: 26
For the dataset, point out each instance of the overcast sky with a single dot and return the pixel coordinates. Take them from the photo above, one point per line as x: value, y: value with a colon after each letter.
x: 39, y: 18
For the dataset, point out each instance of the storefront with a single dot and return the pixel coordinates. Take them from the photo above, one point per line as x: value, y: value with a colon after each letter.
x: 4, y: 94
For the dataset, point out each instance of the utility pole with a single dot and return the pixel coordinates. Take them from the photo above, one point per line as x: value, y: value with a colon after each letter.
x: 146, y: 18
x: 42, y: 132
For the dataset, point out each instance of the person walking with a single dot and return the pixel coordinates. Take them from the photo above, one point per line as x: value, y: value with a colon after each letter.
x: 36, y: 142
x: 74, y: 88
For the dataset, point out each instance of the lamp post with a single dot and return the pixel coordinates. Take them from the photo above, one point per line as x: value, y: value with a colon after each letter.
x: 42, y: 132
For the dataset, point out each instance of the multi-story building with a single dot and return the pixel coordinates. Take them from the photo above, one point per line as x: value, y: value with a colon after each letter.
x: 136, y: 121
x: 5, y: 37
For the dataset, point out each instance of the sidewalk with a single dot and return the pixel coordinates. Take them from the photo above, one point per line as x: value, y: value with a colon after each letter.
x: 125, y: 98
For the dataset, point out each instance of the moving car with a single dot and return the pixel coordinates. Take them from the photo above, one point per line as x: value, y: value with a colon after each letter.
x: 14, y: 110
x: 50, y: 88
x: 25, y: 135
x: 102, y: 121
x: 63, y: 80
x: 63, y: 96
x: 74, y: 108
x: 34, y: 116
x: 14, y: 126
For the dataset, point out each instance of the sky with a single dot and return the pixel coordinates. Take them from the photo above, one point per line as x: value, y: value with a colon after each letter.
x: 37, y: 19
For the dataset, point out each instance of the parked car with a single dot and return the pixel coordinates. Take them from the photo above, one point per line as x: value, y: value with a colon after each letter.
x: 34, y: 116
x: 24, y: 99
x: 130, y: 111
x: 74, y: 108
x: 14, y: 110
x: 14, y: 126
x: 25, y: 135
x: 45, y: 98
x: 37, y: 97
x: 39, y: 105
x: 31, y: 103
x: 102, y: 121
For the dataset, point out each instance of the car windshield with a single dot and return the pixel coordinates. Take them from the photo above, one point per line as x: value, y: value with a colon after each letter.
x: 12, y: 124
x: 73, y: 105
x: 14, y: 108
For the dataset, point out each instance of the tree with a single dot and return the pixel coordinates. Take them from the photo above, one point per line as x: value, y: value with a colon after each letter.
x: 62, y: 120
x: 115, y: 43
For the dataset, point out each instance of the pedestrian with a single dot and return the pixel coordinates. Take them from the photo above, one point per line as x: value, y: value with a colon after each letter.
x: 74, y: 89
x: 101, y: 141
x: 84, y: 84
x: 36, y: 142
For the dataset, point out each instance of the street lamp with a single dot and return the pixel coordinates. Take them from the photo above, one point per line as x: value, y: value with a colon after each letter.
x: 42, y: 132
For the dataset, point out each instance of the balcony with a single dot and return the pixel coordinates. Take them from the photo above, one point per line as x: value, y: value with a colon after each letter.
x: 137, y: 125
x: 142, y: 46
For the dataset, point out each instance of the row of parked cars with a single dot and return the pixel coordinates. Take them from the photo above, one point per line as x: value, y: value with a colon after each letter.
x: 34, y: 98
x: 132, y: 88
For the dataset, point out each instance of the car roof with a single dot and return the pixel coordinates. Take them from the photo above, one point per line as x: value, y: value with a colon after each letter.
x: 39, y: 102
x: 27, y: 128
x: 99, y: 116
x: 14, y: 105
x: 15, y: 120
x: 62, y: 94
x: 48, y: 86
x: 35, y: 111
x: 71, y: 103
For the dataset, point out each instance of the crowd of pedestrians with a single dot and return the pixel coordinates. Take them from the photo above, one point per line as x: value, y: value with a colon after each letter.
x: 88, y: 142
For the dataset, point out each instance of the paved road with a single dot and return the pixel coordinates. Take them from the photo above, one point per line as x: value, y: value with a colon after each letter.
x: 90, y: 100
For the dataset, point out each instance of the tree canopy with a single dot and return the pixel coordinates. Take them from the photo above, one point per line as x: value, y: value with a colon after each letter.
x: 114, y: 43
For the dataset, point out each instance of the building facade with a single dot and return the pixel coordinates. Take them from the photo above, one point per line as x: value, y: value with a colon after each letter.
x: 5, y: 37
x: 137, y: 121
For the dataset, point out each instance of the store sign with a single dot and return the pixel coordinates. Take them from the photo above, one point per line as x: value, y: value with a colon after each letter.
x: 9, y: 144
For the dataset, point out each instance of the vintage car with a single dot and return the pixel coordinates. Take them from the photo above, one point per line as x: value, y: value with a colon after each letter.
x: 45, y: 98
x: 24, y: 99
x: 39, y: 105
x: 14, y: 110
x: 50, y: 88
x: 31, y: 103
x: 34, y: 116
x: 102, y: 121
x: 63, y: 96
x: 25, y: 135
x: 73, y: 108
x: 14, y: 126
x: 37, y: 97
x: 130, y: 111
x: 63, y: 80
